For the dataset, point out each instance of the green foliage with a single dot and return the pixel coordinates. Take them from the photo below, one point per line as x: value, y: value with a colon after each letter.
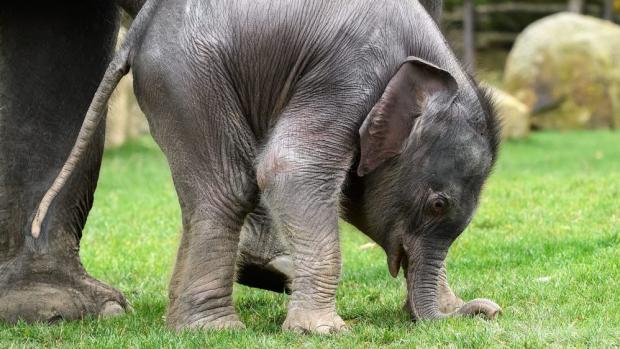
x: 545, y: 245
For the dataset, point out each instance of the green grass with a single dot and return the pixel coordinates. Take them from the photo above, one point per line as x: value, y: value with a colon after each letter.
x: 545, y: 245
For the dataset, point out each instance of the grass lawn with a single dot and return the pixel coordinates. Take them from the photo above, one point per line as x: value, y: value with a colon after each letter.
x: 545, y: 245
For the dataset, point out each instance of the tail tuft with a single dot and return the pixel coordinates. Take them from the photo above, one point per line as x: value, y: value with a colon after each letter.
x: 36, y: 230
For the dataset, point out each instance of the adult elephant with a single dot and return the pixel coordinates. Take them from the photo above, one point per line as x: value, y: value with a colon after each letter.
x: 52, y: 58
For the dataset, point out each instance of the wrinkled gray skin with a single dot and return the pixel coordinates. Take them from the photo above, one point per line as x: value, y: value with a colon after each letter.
x: 300, y: 108
x: 52, y: 57
x: 43, y: 280
x: 282, y: 99
x: 264, y: 259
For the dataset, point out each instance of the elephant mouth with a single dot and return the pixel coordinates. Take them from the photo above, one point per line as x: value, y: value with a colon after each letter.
x: 396, y: 259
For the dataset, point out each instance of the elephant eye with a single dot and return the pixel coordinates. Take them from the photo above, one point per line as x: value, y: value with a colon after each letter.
x: 438, y: 204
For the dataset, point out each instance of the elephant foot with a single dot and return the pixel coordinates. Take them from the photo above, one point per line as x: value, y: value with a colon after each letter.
x: 183, y: 316
x: 59, y: 298
x: 314, y: 321
x: 481, y: 306
x: 230, y: 322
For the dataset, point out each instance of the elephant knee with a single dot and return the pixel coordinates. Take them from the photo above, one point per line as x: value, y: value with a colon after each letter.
x: 274, y: 167
x: 289, y: 178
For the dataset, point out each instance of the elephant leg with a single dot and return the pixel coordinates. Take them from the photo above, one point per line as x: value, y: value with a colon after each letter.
x: 214, y: 203
x: 52, y: 58
x: 176, y: 280
x: 264, y: 259
x: 210, y: 149
x: 301, y: 186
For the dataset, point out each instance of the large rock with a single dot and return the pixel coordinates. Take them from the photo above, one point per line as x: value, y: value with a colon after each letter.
x: 125, y: 120
x: 566, y: 69
x: 514, y: 115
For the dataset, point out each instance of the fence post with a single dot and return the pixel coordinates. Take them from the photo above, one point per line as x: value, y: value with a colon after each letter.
x: 469, y: 34
x: 575, y: 6
x: 608, y: 12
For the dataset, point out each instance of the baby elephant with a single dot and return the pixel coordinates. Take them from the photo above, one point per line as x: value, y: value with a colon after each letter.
x: 304, y: 107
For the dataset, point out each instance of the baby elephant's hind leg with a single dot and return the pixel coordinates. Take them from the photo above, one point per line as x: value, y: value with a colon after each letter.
x: 215, y: 197
x: 210, y: 150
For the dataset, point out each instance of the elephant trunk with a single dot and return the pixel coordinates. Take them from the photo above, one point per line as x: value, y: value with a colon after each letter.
x: 424, y: 272
x: 424, y: 275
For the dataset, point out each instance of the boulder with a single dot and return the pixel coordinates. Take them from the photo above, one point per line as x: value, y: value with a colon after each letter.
x: 566, y: 69
x: 514, y: 115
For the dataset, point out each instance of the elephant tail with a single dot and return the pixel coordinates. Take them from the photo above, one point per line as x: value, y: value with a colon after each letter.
x: 118, y: 68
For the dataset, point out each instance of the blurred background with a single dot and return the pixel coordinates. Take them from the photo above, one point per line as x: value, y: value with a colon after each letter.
x: 545, y: 243
x: 553, y: 65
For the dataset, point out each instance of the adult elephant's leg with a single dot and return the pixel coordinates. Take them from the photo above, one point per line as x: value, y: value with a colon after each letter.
x: 264, y: 259
x: 51, y: 60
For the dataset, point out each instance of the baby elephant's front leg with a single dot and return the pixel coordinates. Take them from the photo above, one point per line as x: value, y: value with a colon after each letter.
x: 302, y: 197
x: 312, y: 225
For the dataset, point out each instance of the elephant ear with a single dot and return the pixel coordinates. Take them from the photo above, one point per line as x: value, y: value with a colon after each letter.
x: 387, y: 127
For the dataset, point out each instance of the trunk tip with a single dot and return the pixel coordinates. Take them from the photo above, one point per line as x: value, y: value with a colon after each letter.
x: 481, y: 306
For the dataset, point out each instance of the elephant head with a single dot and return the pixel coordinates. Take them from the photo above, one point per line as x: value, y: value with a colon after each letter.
x: 427, y: 147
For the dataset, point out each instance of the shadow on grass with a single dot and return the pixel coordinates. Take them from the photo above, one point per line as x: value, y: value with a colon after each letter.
x: 385, y: 318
